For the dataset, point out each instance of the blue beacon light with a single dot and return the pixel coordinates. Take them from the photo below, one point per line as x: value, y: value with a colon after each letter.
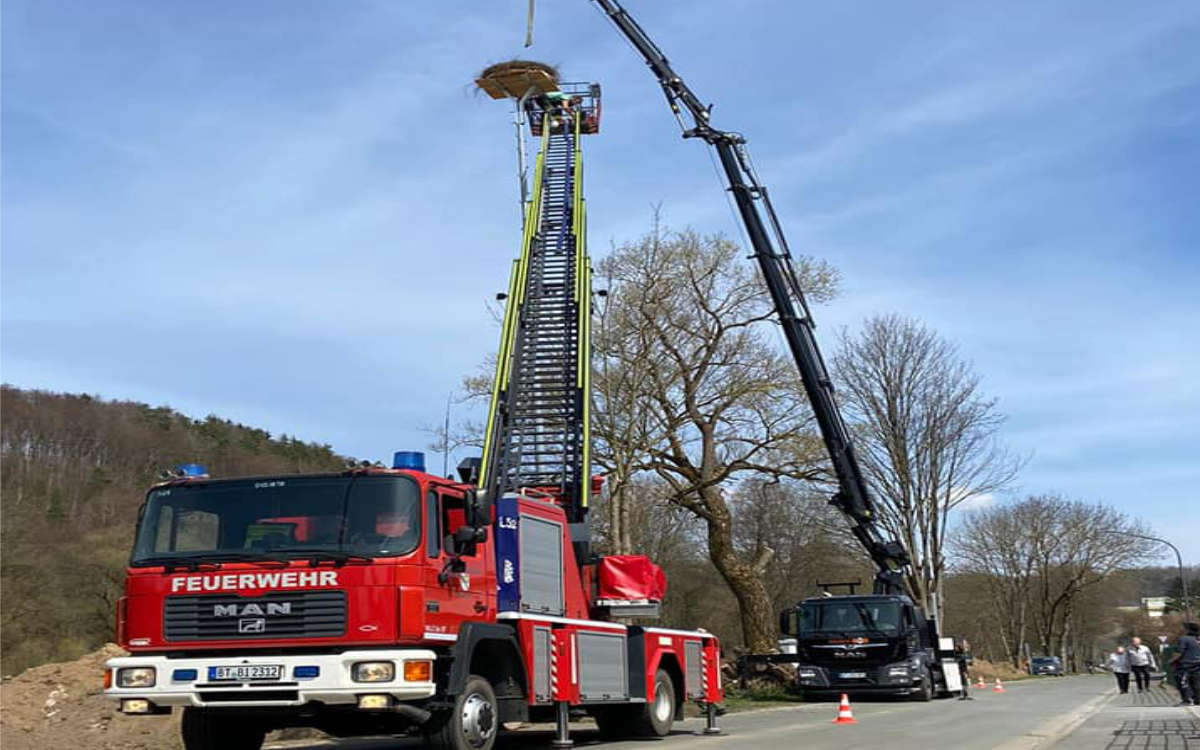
x: 193, y: 470
x: 414, y: 460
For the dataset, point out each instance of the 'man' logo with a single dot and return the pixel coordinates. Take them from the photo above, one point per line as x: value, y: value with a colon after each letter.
x: 252, y: 625
x: 252, y: 608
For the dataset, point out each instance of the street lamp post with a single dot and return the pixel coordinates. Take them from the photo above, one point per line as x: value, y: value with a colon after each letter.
x: 1187, y: 602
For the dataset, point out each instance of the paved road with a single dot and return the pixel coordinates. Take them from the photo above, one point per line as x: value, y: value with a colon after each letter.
x: 1023, y: 717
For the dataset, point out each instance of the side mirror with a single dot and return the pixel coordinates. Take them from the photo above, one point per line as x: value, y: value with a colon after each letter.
x: 464, y: 535
x: 464, y: 539
x: 479, y: 509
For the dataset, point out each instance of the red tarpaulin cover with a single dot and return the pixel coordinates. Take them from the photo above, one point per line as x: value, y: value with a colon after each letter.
x: 630, y: 577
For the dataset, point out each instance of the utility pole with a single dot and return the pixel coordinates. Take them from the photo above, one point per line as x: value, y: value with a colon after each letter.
x: 446, y: 437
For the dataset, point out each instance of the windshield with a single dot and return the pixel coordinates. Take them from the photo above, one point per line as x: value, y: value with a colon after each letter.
x: 851, y: 617
x: 371, y: 516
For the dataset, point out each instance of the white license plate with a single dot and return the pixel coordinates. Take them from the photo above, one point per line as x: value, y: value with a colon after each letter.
x: 852, y: 675
x: 244, y: 672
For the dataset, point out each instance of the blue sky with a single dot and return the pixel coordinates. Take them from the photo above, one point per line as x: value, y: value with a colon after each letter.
x: 292, y: 214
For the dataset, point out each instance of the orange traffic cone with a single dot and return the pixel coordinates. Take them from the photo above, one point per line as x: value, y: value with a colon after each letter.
x: 845, y: 715
x: 999, y: 688
x: 980, y: 684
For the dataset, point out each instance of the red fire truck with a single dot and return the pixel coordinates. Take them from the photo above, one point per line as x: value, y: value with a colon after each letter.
x: 391, y: 600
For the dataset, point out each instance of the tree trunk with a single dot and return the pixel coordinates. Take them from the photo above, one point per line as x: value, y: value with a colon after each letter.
x: 754, y: 603
x: 625, y: 533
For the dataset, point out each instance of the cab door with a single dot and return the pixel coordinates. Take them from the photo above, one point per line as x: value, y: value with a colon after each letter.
x: 454, y: 597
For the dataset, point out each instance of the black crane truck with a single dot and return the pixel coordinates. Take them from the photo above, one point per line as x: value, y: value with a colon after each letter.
x: 864, y: 644
x: 881, y: 642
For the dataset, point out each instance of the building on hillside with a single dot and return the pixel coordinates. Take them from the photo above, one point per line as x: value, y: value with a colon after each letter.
x: 1154, y: 606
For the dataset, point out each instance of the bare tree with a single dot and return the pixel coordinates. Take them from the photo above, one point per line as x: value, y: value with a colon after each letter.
x: 928, y: 437
x: 1040, y: 557
x: 792, y: 525
x: 1086, y: 545
x: 623, y: 424
x: 1000, y: 544
x: 695, y: 391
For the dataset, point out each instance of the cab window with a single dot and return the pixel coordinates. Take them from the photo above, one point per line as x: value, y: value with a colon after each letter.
x: 454, y: 513
x: 433, y: 528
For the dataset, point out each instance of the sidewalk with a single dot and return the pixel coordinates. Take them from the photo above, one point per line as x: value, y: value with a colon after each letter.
x: 1136, y: 721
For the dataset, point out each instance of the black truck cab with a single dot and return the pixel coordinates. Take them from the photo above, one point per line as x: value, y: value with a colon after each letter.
x: 866, y: 643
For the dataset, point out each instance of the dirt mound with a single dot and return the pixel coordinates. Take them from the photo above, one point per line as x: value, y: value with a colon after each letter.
x: 62, y: 706
x: 989, y: 671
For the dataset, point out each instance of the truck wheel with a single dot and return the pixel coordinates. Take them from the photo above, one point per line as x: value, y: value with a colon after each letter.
x: 209, y: 730
x: 925, y: 693
x: 471, y: 724
x: 653, y: 718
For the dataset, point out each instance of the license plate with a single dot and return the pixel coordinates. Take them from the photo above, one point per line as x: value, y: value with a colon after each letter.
x: 852, y: 675
x: 243, y: 672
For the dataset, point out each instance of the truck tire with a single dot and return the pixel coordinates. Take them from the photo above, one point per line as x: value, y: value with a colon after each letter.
x: 210, y: 730
x: 471, y: 724
x: 925, y: 693
x: 654, y: 718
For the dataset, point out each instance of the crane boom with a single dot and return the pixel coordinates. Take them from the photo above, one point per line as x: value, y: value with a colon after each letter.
x: 775, y: 262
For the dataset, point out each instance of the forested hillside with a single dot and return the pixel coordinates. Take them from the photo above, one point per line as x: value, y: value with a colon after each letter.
x: 73, y: 471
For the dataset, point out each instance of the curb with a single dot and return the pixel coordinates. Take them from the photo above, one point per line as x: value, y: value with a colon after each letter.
x: 1049, y: 733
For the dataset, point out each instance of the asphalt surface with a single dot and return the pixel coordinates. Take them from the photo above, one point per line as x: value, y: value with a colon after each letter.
x: 1030, y: 714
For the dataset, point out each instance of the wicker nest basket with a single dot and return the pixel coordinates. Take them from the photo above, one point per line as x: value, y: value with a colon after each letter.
x: 513, y: 78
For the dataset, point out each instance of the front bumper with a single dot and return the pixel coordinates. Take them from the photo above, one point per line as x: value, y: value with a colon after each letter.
x: 332, y: 685
x: 875, y: 680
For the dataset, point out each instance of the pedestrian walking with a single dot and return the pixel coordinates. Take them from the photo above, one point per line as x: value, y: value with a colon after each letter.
x: 1141, y: 661
x: 1187, y: 664
x: 1118, y: 663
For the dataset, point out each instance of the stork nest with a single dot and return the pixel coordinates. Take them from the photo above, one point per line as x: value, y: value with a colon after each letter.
x: 513, y: 78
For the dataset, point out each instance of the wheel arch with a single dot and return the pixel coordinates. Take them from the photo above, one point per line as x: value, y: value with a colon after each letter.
x: 668, y: 662
x: 492, y: 652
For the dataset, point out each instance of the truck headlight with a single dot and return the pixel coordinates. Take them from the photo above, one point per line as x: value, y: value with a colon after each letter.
x: 898, y: 671
x: 373, y: 671
x: 807, y: 674
x: 135, y: 677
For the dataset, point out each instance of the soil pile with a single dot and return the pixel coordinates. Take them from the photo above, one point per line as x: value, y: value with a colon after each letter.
x: 62, y: 705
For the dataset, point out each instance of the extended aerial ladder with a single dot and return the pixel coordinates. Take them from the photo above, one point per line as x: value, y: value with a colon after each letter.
x: 537, y: 436
x: 775, y: 261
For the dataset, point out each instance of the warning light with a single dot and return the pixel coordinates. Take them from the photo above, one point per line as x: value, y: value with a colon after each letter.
x: 414, y: 460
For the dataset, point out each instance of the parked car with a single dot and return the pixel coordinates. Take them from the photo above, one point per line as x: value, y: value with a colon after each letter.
x: 1046, y: 665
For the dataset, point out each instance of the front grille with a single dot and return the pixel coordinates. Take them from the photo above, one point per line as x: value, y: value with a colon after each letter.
x: 307, y: 614
x: 839, y: 659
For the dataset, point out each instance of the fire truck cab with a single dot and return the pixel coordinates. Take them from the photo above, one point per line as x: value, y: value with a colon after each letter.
x: 383, y: 601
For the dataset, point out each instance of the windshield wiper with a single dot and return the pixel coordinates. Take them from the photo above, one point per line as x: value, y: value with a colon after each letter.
x: 247, y: 557
x: 170, y: 563
x: 315, y: 556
